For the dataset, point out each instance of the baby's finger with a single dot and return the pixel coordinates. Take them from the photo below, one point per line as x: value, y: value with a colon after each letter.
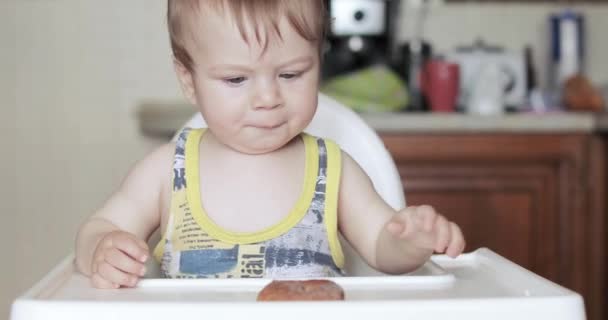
x: 131, y: 237
x: 114, y: 275
x: 428, y: 216
x: 100, y: 283
x: 142, y: 244
x: 124, y: 262
x: 97, y: 259
x: 457, y: 242
x: 442, y: 228
x: 130, y: 246
x: 396, y: 228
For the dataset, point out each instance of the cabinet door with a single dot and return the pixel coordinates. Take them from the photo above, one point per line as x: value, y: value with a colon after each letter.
x: 527, y: 197
x: 505, y: 207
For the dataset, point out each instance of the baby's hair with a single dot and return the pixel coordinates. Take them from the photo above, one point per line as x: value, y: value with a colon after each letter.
x: 263, y: 15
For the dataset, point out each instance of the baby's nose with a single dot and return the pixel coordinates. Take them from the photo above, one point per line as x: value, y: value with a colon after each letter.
x: 268, y: 96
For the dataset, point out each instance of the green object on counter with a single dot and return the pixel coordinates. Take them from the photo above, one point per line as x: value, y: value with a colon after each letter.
x: 373, y: 89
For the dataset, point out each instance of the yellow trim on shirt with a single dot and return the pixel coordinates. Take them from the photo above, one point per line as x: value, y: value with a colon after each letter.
x: 334, y: 170
x: 200, y: 216
x: 159, y: 250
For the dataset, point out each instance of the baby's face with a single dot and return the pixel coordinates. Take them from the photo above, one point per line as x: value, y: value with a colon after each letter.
x: 253, y: 100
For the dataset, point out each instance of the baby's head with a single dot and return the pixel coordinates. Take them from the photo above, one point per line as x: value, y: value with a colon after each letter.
x: 251, y: 66
x: 307, y: 17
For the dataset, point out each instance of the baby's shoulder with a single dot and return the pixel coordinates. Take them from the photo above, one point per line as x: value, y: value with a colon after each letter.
x: 150, y: 172
x: 158, y: 160
x: 162, y: 153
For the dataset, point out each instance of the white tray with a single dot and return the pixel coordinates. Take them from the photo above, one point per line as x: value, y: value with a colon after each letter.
x: 478, y: 285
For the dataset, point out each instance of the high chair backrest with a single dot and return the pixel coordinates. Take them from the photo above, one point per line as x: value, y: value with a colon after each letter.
x: 340, y: 124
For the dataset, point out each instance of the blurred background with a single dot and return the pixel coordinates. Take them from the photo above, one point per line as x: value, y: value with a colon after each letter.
x: 87, y: 88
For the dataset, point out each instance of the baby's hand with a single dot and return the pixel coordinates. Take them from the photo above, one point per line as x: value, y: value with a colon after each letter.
x: 118, y: 261
x: 425, y: 228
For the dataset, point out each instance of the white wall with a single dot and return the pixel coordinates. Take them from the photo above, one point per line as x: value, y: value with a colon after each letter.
x: 82, y: 66
x: 71, y: 74
x: 514, y: 26
x: 7, y: 155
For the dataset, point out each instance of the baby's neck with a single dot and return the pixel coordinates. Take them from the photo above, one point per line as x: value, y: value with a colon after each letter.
x: 210, y: 143
x: 267, y: 185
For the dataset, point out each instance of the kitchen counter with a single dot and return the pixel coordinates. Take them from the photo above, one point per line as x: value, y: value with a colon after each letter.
x: 463, y: 123
x: 162, y: 120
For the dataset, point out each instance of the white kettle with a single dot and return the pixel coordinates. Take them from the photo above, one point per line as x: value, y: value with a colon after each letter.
x: 487, y: 95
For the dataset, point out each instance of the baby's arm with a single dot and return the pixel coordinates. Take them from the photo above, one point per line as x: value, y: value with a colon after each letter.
x: 391, y: 242
x: 110, y: 246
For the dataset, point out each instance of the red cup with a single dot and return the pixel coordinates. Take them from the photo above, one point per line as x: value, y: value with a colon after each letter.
x: 440, y: 83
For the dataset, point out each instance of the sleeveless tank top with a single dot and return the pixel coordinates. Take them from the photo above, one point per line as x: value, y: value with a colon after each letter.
x: 304, y: 244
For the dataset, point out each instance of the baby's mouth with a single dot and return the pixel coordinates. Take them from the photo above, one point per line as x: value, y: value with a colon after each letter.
x: 267, y: 126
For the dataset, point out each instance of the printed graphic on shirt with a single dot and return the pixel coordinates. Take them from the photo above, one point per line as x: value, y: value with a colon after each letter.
x: 179, y: 167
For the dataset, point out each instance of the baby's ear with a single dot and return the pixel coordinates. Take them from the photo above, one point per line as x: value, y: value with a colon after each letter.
x: 185, y: 80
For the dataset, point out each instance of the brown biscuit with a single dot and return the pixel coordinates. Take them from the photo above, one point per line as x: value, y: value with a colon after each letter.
x: 301, y: 290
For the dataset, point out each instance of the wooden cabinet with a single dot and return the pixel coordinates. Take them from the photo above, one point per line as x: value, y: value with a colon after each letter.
x: 535, y: 199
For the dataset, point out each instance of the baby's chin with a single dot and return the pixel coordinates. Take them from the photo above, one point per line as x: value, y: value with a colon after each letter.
x: 261, y: 141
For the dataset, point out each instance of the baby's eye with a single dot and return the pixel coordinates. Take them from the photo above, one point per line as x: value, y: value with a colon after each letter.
x: 290, y: 75
x: 235, y: 80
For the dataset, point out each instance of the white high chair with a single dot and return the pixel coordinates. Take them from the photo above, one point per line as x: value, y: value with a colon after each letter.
x: 335, y: 121
x: 475, y: 286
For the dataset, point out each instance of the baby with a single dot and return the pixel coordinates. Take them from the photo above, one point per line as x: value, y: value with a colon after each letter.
x: 252, y: 195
